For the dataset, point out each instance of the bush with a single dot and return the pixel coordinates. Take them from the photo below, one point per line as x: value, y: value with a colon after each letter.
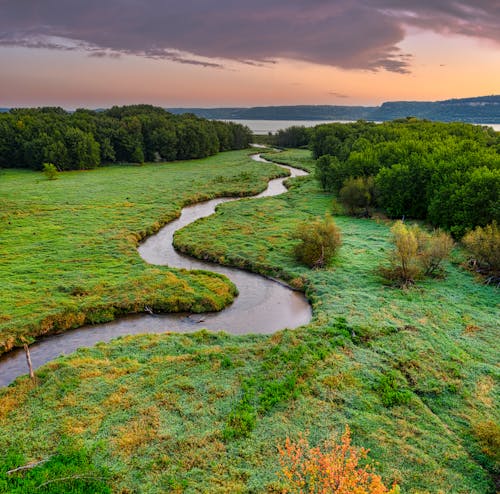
x: 357, y: 193
x: 416, y: 254
x: 433, y: 250
x: 319, y: 242
x: 335, y: 470
x: 405, y: 268
x: 50, y: 171
x: 484, y: 244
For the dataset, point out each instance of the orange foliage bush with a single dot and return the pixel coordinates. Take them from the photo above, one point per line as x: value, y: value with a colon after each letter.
x: 307, y: 470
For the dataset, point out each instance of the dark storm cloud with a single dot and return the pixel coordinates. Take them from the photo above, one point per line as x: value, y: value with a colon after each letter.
x: 353, y: 34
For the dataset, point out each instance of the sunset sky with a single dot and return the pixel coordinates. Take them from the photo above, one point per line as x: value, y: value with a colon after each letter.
x: 97, y: 53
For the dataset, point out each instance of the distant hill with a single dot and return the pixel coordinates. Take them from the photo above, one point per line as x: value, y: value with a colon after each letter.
x: 483, y: 109
x: 301, y: 112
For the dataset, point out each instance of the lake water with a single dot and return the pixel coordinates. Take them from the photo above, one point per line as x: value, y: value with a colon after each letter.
x: 263, y: 127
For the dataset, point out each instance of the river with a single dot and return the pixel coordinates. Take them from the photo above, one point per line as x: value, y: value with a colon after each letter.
x: 263, y: 306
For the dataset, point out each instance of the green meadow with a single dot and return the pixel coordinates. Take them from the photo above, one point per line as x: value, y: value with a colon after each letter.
x: 68, y: 246
x: 414, y: 372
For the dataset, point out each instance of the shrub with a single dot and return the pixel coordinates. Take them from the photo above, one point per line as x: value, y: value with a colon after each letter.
x: 484, y: 244
x: 50, y: 171
x: 416, y: 254
x: 319, y: 242
x: 404, y: 268
x: 357, y: 193
x: 433, y: 250
x: 240, y: 422
x: 334, y: 471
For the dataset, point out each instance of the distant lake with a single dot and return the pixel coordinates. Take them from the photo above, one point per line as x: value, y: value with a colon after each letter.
x: 263, y: 127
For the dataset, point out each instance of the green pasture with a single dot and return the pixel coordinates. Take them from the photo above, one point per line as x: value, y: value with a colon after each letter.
x: 414, y: 372
x: 68, y: 246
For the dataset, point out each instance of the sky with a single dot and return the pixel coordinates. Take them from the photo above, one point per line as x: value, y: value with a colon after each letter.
x: 208, y: 53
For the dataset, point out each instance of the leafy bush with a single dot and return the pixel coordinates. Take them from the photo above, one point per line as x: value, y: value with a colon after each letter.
x: 405, y: 268
x: 275, y: 392
x: 433, y: 250
x: 240, y: 422
x: 357, y: 193
x: 416, y: 254
x: 50, y: 171
x: 335, y: 470
x: 484, y: 244
x: 319, y: 242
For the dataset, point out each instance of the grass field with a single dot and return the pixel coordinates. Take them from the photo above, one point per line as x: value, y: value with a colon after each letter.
x: 414, y: 373
x: 68, y: 246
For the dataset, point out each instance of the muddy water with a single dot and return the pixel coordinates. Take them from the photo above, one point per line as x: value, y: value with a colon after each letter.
x: 263, y: 306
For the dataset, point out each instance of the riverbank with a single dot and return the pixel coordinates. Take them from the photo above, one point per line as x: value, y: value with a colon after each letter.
x: 69, y: 246
x: 263, y: 305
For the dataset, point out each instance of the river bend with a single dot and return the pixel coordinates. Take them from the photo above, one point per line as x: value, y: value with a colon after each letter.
x: 263, y: 306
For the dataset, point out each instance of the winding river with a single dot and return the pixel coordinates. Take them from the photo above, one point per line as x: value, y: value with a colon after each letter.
x: 263, y: 306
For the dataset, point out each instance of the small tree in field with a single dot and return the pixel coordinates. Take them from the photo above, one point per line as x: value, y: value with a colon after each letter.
x: 404, y: 267
x: 357, y: 194
x: 484, y: 244
x: 50, y: 171
x: 319, y: 242
x: 433, y: 250
x: 416, y: 254
x: 335, y: 470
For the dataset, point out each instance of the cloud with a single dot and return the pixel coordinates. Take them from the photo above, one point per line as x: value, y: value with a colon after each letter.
x: 338, y: 95
x: 352, y: 34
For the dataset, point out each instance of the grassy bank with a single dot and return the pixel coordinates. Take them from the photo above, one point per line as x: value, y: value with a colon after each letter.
x: 68, y: 246
x: 414, y: 373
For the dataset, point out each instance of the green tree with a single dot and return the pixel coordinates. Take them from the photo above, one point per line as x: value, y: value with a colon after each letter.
x: 50, y: 171
x: 319, y: 241
x: 357, y: 194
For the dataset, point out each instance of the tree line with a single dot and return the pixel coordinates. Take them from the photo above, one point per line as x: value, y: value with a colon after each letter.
x: 30, y: 137
x: 445, y: 173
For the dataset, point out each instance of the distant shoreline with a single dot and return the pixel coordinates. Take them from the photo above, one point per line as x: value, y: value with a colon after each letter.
x: 264, y: 126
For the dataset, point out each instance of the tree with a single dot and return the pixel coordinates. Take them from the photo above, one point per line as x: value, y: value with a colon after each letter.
x: 404, y: 267
x: 416, y: 254
x: 396, y: 190
x: 484, y: 244
x: 50, y: 171
x: 334, y: 470
x: 319, y: 241
x: 357, y: 193
x: 434, y: 250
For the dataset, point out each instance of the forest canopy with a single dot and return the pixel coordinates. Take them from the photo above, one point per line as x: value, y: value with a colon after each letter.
x: 30, y: 137
x: 446, y: 173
